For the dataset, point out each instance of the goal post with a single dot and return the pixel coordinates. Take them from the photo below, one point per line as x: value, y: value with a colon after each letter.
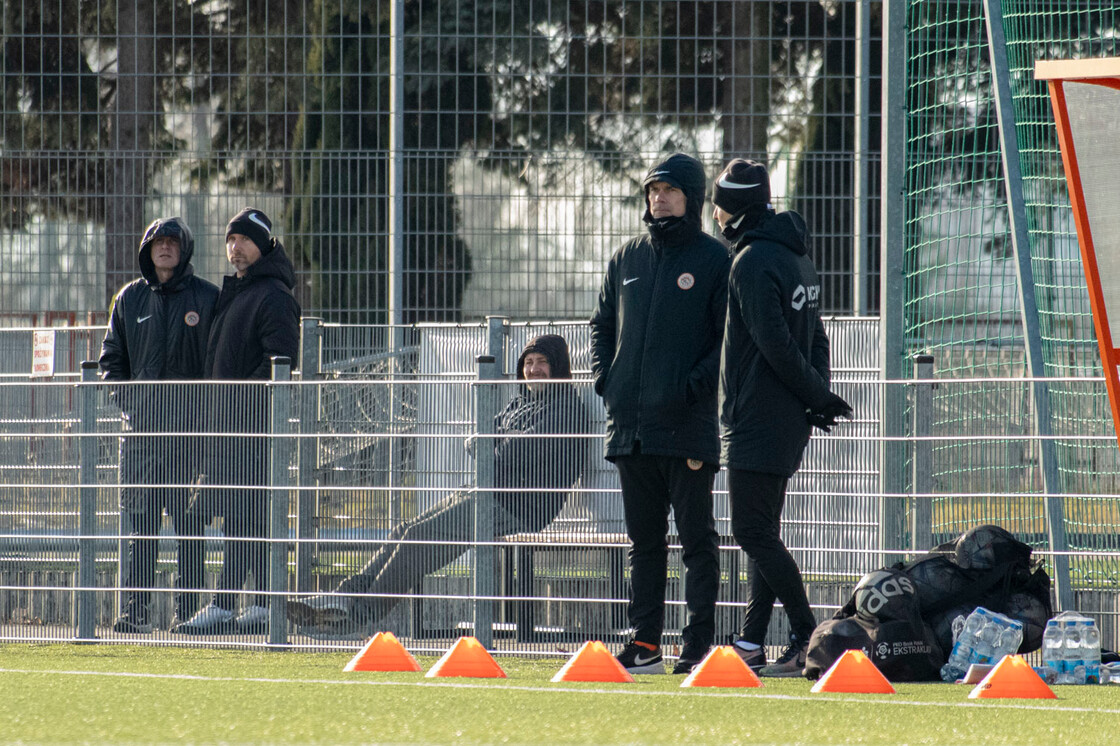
x: 1085, y: 97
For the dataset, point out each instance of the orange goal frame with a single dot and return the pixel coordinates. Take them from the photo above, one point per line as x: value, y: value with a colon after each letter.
x: 1103, y: 72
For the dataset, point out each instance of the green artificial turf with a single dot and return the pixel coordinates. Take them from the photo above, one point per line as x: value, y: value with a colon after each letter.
x: 99, y: 694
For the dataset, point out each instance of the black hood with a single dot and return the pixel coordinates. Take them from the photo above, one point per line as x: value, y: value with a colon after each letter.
x: 274, y: 263
x: 553, y: 347
x: 176, y: 228
x: 687, y: 174
x: 786, y: 228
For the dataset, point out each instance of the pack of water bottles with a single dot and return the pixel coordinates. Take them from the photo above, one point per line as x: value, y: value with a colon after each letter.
x: 983, y: 637
x: 1071, y: 648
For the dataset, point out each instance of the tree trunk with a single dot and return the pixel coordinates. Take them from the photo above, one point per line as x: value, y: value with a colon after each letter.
x: 745, y: 96
x: 133, y: 116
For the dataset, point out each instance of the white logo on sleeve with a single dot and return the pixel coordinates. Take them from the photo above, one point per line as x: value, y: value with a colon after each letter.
x: 801, y: 294
x: 142, y: 319
x: 629, y: 280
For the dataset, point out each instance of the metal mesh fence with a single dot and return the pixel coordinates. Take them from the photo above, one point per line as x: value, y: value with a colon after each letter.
x: 961, y: 296
x: 498, y: 182
x: 369, y: 462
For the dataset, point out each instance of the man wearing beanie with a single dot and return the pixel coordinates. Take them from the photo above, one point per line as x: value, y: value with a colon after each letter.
x: 158, y: 327
x: 774, y: 384
x: 532, y: 476
x: 256, y: 318
x: 655, y: 339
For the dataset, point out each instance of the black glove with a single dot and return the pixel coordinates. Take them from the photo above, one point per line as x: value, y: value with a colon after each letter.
x: 825, y: 418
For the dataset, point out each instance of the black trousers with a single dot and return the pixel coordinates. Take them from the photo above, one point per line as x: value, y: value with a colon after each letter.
x: 148, y: 462
x: 431, y: 540
x: 235, y: 491
x: 757, y: 500
x: 651, y: 486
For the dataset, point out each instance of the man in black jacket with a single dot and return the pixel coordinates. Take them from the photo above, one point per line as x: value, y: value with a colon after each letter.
x: 257, y: 317
x: 774, y: 383
x: 655, y: 357
x: 158, y: 326
x: 532, y: 477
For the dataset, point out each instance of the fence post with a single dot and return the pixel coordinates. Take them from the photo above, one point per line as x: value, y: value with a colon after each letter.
x: 307, y: 498
x: 921, y: 514
x: 892, y: 285
x: 486, y: 408
x: 280, y: 395
x: 1028, y: 304
x: 87, y: 503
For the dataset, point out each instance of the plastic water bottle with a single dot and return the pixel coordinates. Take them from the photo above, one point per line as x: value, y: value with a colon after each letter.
x: 1052, y: 639
x: 962, y: 648
x: 1073, y: 665
x: 987, y: 642
x: 1091, y: 652
x: 1011, y: 639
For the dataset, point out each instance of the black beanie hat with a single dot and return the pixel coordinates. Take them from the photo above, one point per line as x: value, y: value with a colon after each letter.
x: 254, y: 224
x: 742, y: 184
x: 552, y: 346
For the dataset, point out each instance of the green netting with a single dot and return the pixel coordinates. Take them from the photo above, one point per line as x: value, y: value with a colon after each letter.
x: 961, y: 300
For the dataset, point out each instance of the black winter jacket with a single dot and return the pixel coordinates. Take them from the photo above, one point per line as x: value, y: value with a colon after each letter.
x: 257, y: 317
x: 775, y: 353
x: 655, y: 340
x: 158, y: 331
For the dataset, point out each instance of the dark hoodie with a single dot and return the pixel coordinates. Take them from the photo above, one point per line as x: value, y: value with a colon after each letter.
x: 542, y: 464
x: 257, y: 317
x: 158, y: 331
x: 775, y: 352
x: 656, y: 331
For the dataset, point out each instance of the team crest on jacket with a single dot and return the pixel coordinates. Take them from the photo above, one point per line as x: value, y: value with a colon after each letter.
x: 686, y: 281
x: 695, y: 464
x: 191, y: 318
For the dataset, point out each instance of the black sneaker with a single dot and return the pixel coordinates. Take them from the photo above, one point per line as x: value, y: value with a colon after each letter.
x: 690, y: 658
x: 791, y: 663
x: 755, y: 659
x: 637, y: 658
x: 130, y: 623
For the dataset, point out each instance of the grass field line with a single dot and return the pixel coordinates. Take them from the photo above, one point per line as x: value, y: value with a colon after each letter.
x: 703, y: 692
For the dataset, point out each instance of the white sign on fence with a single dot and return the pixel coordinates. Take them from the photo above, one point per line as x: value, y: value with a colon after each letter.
x: 42, y: 354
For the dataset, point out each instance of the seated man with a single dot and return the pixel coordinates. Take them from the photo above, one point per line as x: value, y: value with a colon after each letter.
x: 531, y: 476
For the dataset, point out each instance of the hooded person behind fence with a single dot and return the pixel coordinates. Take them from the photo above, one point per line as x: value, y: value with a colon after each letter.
x: 158, y: 329
x: 533, y: 477
x: 655, y: 337
x: 256, y: 318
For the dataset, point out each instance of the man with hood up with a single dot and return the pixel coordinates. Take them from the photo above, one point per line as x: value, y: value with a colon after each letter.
x: 158, y: 327
x: 256, y: 318
x: 774, y: 384
x: 532, y: 477
x: 655, y: 340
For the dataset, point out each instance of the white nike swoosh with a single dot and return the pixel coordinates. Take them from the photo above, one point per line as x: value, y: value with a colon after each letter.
x: 723, y: 182
x: 659, y: 173
x: 258, y: 221
x: 640, y: 661
x: 142, y: 319
x: 629, y: 280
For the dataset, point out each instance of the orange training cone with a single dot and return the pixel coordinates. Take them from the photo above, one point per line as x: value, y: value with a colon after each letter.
x: 593, y: 662
x: 854, y: 673
x: 722, y: 667
x: 467, y: 658
x: 383, y: 653
x: 1012, y: 678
